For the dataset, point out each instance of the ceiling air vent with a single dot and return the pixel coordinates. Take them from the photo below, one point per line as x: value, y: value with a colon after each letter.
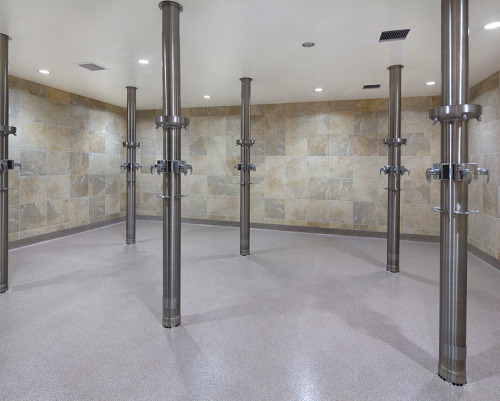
x: 398, y: 34
x: 92, y: 66
x: 374, y: 86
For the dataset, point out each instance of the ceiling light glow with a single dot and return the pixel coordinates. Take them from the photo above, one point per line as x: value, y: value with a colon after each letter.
x: 143, y: 61
x: 308, y: 44
x: 46, y: 72
x: 207, y: 97
x: 492, y: 25
x: 318, y: 90
x: 430, y: 83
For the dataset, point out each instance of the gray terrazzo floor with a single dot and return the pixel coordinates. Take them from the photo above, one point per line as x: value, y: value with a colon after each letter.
x: 305, y: 317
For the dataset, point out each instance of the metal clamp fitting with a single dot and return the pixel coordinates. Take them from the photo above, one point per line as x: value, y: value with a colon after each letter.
x: 465, y: 172
x: 455, y: 112
x: 7, y: 130
x: 395, y: 141
x: 394, y: 170
x: 245, y: 142
x: 245, y: 167
x: 131, y: 144
x: 171, y: 122
x: 439, y: 171
x: 172, y: 166
x: 6, y: 165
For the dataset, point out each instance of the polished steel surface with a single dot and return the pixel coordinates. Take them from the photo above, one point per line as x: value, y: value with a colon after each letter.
x: 245, y: 171
x: 453, y: 226
x: 4, y: 174
x: 394, y: 159
x: 131, y: 160
x: 171, y: 151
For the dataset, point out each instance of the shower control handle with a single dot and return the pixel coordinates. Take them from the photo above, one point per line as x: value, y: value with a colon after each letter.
x: 484, y: 171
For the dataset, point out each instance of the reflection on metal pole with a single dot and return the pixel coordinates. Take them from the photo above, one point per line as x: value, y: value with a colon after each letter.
x: 245, y: 166
x: 5, y: 163
x: 394, y: 170
x: 131, y: 166
x: 455, y: 173
x: 171, y: 167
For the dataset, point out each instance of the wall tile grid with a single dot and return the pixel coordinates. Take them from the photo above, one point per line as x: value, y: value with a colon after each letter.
x: 70, y: 148
x: 317, y: 164
x: 484, y: 149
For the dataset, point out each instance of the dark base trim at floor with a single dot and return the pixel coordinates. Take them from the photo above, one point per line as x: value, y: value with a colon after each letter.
x: 62, y: 233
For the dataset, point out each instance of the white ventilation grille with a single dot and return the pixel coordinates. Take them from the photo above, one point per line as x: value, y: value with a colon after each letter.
x: 397, y: 34
x: 372, y: 86
x: 92, y: 66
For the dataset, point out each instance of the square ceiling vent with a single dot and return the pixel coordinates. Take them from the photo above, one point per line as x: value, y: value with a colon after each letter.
x: 92, y: 66
x: 390, y: 36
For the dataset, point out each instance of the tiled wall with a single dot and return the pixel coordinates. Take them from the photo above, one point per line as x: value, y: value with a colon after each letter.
x: 317, y: 164
x: 484, y: 149
x: 70, y: 148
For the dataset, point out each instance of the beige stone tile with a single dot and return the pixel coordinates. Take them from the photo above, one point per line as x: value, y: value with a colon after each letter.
x: 417, y: 192
x: 366, y: 145
x: 58, y: 162
x: 275, y: 108
x: 341, y: 189
x: 383, y: 124
x: 484, y: 86
x: 274, y: 187
x: 489, y: 101
x: 296, y: 209
x: 341, y: 122
x: 97, y: 121
x: 97, y: 186
x: 233, y: 206
x: 79, y: 116
x: 318, y: 188
x: 112, y: 203
x: 79, y: 186
x: 97, y: 164
x: 365, y: 190
x: 198, y: 184
x: 97, y: 206
x: 366, y: 105
x: 490, y: 231
x: 113, y: 163
x: 13, y: 220
x: 296, y: 188
x: 296, y: 145
x: 274, y: 125
x: 57, y: 138
x: 418, y: 145
x: 490, y: 199
x: 317, y: 145
x: 31, y: 87
x: 297, y: 124
x: 31, y: 135
x: 33, y: 162
x: 365, y: 213
x: 198, y: 205
x: 341, y: 145
x: 113, y: 183
x: 14, y: 83
x: 295, y: 108
x: 300, y: 223
x: 257, y: 109
x: 415, y: 121
x: 318, y: 211
x: 32, y: 108
x: 383, y: 104
x: 216, y: 205
x: 417, y: 166
x: 366, y: 167
x: 319, y: 107
x: 58, y: 113
x: 13, y: 189
x: 296, y: 166
x: 32, y: 189
x: 147, y: 201
x: 79, y: 163
x: 216, y: 111
x: 341, y: 213
x: 318, y: 124
x: 342, y: 105
x: 275, y: 208
x: 216, y: 126
x: 318, y: 166
x: 79, y: 140
x: 78, y: 209
x: 57, y: 95
x: 275, y: 166
x: 57, y: 212
x: 58, y: 187
x: 366, y: 122
x: 198, y: 112
x: 341, y: 167
x: 33, y: 216
x: 415, y: 216
x: 417, y: 102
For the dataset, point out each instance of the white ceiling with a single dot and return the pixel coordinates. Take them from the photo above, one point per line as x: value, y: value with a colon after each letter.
x: 223, y: 40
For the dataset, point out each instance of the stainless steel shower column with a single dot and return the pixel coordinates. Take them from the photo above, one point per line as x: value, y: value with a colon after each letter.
x: 171, y: 167
x: 394, y: 170
x: 5, y: 163
x: 131, y: 165
x: 245, y: 166
x: 455, y: 174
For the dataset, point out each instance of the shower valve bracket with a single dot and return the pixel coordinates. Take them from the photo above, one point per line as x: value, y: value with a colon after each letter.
x: 172, y: 166
x: 6, y: 165
x: 126, y: 166
x: 245, y: 142
x: 7, y: 130
x: 131, y: 145
x: 394, y: 170
x: 395, y: 141
x: 171, y: 122
x: 455, y: 112
x: 439, y: 171
x: 245, y: 167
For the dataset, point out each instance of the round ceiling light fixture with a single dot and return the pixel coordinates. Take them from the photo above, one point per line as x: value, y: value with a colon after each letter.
x: 430, y: 83
x: 308, y: 44
x: 143, y: 61
x: 42, y: 71
x: 318, y: 90
x: 492, y: 25
x: 207, y: 97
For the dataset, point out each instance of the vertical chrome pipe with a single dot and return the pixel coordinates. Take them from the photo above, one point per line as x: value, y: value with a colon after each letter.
x: 245, y: 170
x: 4, y: 149
x: 132, y: 164
x: 454, y: 195
x: 171, y: 166
x: 394, y: 177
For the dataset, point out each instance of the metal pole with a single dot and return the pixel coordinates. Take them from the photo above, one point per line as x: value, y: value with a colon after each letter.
x: 5, y: 163
x: 455, y: 174
x: 131, y: 165
x: 394, y: 170
x: 245, y: 166
x: 171, y: 167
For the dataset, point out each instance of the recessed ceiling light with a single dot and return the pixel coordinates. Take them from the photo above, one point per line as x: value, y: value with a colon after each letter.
x: 318, y: 90
x: 46, y: 72
x: 492, y: 25
x: 430, y: 83
x: 207, y: 97
x: 143, y: 61
x: 308, y: 44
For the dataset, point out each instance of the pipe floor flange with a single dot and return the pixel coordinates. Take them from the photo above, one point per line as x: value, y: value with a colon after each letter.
x: 171, y: 322
x: 4, y: 288
x: 392, y: 269
x: 245, y: 253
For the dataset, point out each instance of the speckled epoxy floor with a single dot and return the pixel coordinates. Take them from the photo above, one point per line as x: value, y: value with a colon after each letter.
x: 305, y: 317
